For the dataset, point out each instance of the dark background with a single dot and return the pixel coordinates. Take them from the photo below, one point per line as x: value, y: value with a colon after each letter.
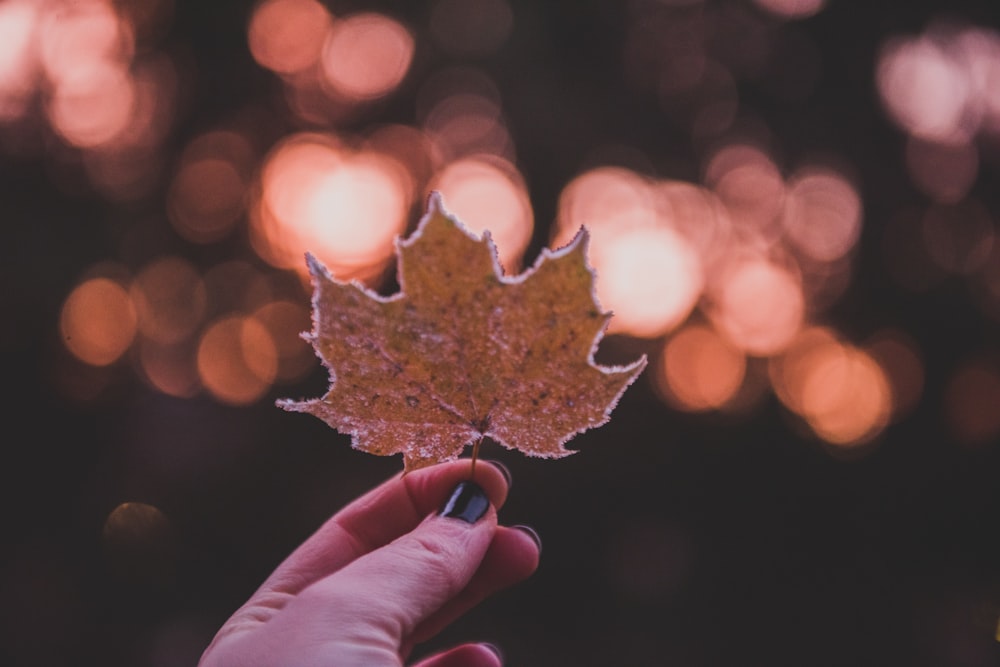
x: 670, y: 539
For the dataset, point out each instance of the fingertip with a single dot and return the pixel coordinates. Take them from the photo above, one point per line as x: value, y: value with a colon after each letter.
x: 467, y: 655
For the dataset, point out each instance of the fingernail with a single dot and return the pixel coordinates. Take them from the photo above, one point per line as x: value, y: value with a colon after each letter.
x: 504, y: 470
x: 468, y: 502
x: 495, y: 650
x: 530, y: 532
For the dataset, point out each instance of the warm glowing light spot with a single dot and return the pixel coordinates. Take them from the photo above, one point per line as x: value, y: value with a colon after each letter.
x: 138, y: 542
x: 170, y: 299
x: 466, y: 123
x: 822, y: 215
x: 971, y: 399
x: 759, y: 306
x: 170, y: 369
x: 791, y: 9
x: 82, y: 34
x: 649, y: 278
x: 18, y: 21
x: 237, y: 360
x: 748, y: 183
x: 845, y: 396
x: 899, y: 356
x: 408, y: 145
x: 286, y: 321
x: 98, y: 321
x: 287, y: 36
x: 92, y: 104
x: 471, y: 27
x: 924, y: 89
x: 206, y: 197
x: 700, y: 370
x: 698, y: 215
x: 489, y: 194
x: 606, y: 200
x: 945, y: 172
x: 366, y: 56
x: 344, y: 207
x: 789, y: 370
x: 959, y: 237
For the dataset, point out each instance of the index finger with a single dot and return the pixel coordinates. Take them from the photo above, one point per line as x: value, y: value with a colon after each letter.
x: 388, y: 511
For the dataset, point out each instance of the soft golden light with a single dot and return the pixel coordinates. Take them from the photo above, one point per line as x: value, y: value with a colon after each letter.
x: 343, y: 207
x: 789, y: 370
x: 899, y: 356
x: 170, y: 299
x: 488, y: 193
x: 758, y: 306
x: 366, y: 56
x: 822, y: 216
x: 287, y: 36
x: 650, y: 278
x: 699, y: 370
x: 80, y: 35
x: 169, y: 369
x: 606, y: 200
x: 18, y: 21
x: 237, y: 360
x: 92, y: 104
x: 98, y: 321
x: 748, y: 183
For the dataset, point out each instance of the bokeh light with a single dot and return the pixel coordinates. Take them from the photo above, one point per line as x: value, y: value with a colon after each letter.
x: 791, y: 9
x: 237, y: 360
x: 970, y: 402
x: 344, y: 207
x: 488, y: 193
x: 98, y: 321
x: 758, y: 306
x: 287, y: 36
x: 822, y: 216
x: 366, y: 56
x: 18, y: 21
x: 139, y: 544
x: 699, y: 370
x: 170, y: 299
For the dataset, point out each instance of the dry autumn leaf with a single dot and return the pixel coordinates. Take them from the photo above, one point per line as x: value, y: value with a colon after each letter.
x: 463, y: 352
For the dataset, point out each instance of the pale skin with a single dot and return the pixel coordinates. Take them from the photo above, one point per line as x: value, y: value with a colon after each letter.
x: 381, y: 576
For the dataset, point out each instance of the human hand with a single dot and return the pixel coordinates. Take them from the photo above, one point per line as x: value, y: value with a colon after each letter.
x: 388, y: 571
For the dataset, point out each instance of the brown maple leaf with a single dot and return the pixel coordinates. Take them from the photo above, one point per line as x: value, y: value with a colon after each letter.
x: 463, y: 352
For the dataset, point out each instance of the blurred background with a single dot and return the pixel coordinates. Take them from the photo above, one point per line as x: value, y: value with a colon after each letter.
x: 794, y: 213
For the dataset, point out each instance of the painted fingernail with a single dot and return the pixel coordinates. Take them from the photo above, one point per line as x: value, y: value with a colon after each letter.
x: 467, y: 502
x: 530, y: 532
x: 504, y: 470
x: 492, y: 648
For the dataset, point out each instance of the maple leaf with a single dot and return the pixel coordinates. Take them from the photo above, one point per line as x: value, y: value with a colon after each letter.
x: 463, y: 352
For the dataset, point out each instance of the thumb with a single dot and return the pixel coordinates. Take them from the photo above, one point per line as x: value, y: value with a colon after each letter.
x: 376, y: 601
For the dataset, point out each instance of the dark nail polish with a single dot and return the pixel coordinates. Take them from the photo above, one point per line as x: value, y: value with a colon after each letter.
x: 468, y: 502
x: 530, y: 532
x: 504, y: 470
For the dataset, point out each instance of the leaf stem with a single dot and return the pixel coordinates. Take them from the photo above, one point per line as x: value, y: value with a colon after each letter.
x: 475, y: 455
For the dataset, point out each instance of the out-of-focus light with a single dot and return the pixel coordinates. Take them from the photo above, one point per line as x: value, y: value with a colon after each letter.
x: 899, y: 356
x: 92, y: 104
x: 81, y: 35
x: 758, y: 306
x: 408, y: 145
x: 343, y: 207
x: 650, y: 278
x: 366, y: 56
x: 169, y: 369
x: 138, y: 542
x: 170, y: 299
x: 98, y: 321
x: 971, y: 399
x: 286, y: 321
x: 237, y: 286
x: 789, y: 370
x: 287, y: 36
x: 845, y: 396
x: 945, y: 172
x: 791, y: 9
x: 237, y: 360
x: 699, y: 370
x: 697, y: 214
x: 488, y: 193
x: 960, y: 237
x: 748, y: 183
x: 18, y: 21
x: 822, y: 216
x: 207, y: 195
x: 467, y: 123
x: 606, y: 200
x: 471, y: 27
x: 924, y: 89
